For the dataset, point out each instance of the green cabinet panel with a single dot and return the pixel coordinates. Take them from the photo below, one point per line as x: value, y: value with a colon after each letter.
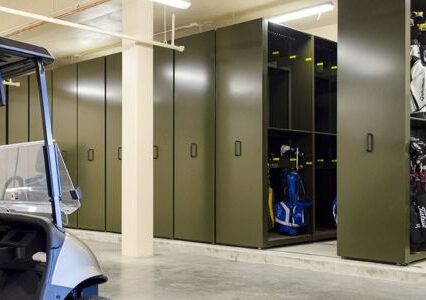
x: 18, y: 111
x: 240, y: 193
x: 373, y: 98
x: 35, y: 121
x: 195, y: 139
x: 64, y: 116
x: 91, y: 143
x: 163, y: 142
x: 113, y: 143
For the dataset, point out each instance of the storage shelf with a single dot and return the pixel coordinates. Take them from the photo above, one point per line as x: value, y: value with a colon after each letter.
x: 417, y: 122
x: 287, y: 130
x: 325, y: 234
x: 326, y: 165
x: 275, y: 239
x: 417, y: 256
x: 288, y: 164
x: 325, y: 133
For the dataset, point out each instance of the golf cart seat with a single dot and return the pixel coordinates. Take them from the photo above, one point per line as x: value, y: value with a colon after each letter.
x: 25, y: 243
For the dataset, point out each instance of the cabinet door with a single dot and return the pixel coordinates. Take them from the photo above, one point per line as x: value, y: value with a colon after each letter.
x: 64, y: 116
x: 373, y: 131
x: 240, y: 134
x: 163, y: 142
x: 91, y: 143
x: 195, y: 138
x: 113, y: 143
x: 35, y: 121
x: 18, y: 111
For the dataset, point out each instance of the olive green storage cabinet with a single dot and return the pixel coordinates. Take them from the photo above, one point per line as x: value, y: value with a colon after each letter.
x: 64, y: 111
x: 374, y: 93
x: 274, y: 86
x: 86, y: 117
x: 184, y: 140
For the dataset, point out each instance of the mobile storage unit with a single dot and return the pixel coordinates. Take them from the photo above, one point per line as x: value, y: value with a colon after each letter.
x: 64, y: 111
x: 194, y: 154
x: 17, y: 111
x: 163, y: 142
x: 91, y: 143
x: 267, y: 96
x: 374, y: 131
x: 184, y: 140
x: 113, y: 143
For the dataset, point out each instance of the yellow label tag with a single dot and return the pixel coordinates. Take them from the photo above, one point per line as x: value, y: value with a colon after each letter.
x: 320, y: 64
x: 292, y: 159
x: 276, y: 159
x: 308, y: 163
x: 308, y: 59
x: 334, y: 67
x: 334, y: 161
x: 320, y: 160
x: 275, y: 52
x: 293, y: 56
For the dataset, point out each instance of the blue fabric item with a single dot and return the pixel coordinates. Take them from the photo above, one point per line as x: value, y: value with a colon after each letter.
x: 335, y: 209
x: 290, y: 214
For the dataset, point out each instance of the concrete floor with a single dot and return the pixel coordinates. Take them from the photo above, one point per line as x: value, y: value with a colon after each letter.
x: 177, y: 276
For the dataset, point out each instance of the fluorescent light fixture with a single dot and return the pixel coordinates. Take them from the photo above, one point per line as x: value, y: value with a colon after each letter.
x: 182, y: 4
x: 304, y: 12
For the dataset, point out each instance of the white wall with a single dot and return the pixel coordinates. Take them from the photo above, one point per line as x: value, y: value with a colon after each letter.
x: 328, y: 32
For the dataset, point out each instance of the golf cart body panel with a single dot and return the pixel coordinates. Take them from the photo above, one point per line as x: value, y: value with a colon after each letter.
x: 75, y: 255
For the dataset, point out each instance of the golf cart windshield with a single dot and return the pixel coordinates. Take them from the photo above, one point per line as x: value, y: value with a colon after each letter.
x: 23, y: 185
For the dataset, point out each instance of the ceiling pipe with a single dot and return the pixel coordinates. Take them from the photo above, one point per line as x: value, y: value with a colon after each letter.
x: 88, y: 28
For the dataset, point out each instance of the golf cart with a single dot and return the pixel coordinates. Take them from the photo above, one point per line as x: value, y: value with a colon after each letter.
x: 38, y: 258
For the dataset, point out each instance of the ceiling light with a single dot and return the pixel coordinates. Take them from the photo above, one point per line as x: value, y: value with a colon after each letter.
x: 303, y: 13
x: 182, y: 4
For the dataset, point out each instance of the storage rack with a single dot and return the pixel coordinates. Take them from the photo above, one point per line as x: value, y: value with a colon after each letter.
x: 374, y: 129
x: 286, y: 95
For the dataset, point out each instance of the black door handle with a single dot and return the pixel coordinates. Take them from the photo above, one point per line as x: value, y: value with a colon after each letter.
x: 370, y: 142
x: 156, y: 152
x: 238, y: 148
x: 119, y: 153
x: 90, y: 155
x: 194, y: 150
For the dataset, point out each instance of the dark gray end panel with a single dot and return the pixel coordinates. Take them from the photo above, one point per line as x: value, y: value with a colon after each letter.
x: 240, y: 134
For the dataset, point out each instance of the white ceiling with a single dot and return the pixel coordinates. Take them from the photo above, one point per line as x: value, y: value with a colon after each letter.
x: 206, y: 14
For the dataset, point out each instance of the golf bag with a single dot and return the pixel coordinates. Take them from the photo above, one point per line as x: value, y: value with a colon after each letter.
x: 418, y: 223
x: 292, y: 214
x: 418, y: 195
x: 418, y: 65
x: 334, y: 209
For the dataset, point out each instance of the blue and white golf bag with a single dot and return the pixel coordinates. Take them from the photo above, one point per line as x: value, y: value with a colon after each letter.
x: 292, y: 214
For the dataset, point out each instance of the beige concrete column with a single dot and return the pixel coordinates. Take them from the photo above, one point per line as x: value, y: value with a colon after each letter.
x: 137, y: 164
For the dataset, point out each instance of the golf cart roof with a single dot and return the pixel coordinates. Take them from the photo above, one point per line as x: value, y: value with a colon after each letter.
x: 17, y: 58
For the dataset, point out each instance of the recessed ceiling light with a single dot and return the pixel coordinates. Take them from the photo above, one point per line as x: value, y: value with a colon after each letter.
x: 182, y: 4
x: 303, y: 13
